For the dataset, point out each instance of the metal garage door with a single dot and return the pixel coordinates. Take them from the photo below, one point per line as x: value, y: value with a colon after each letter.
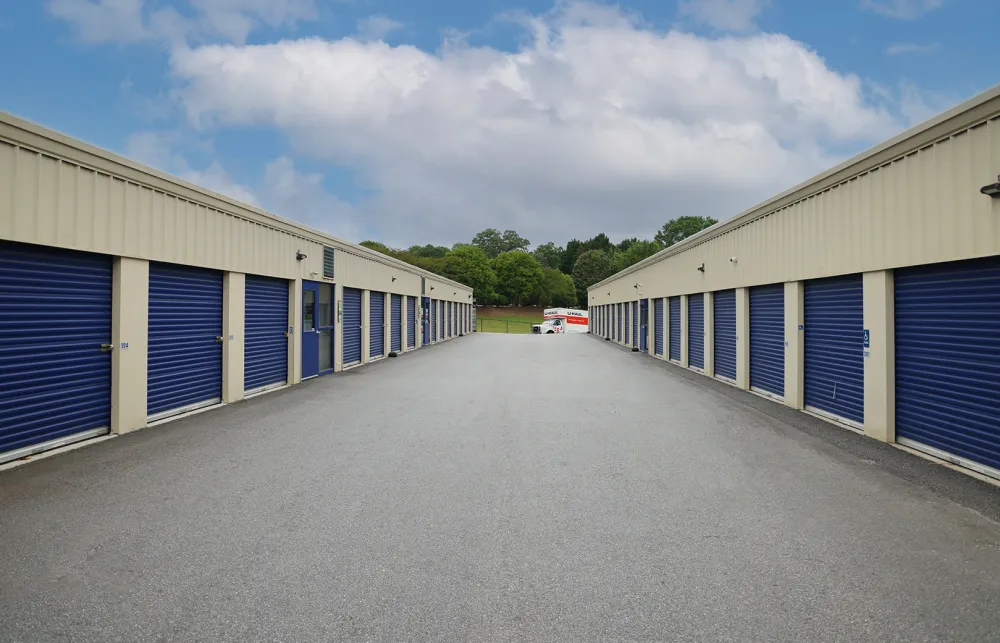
x: 674, y: 320
x: 636, y: 340
x: 724, y: 332
x: 352, y: 326
x: 658, y: 326
x: 451, y: 320
x: 434, y: 320
x: 834, y: 358
x: 474, y: 318
x: 696, y: 331
x: 618, y: 336
x: 767, y: 339
x: 55, y: 332
x: 376, y: 325
x: 265, y: 344
x: 411, y: 322
x: 184, y: 367
x: 396, y: 320
x: 948, y: 360
x: 628, y: 323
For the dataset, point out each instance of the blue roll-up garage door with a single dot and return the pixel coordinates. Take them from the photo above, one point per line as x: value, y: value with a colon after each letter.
x: 658, y: 326
x: 352, y: 326
x: 55, y: 329
x: 834, y: 345
x: 675, y: 328
x: 628, y: 323
x: 265, y: 346
x: 618, y: 336
x: 434, y: 320
x: 184, y: 368
x: 450, y: 322
x: 376, y: 325
x: 696, y: 331
x: 411, y: 322
x: 948, y: 361
x: 724, y: 331
x: 396, y: 319
x: 767, y: 339
x: 635, y: 324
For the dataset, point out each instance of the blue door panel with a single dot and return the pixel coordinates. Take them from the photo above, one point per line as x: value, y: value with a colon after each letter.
x: 396, y: 321
x: 411, y: 322
x: 450, y: 329
x: 834, y: 357
x: 658, y: 326
x: 434, y: 320
x: 767, y: 338
x: 636, y: 325
x: 55, y: 314
x: 628, y: 323
x: 675, y: 328
x: 948, y: 358
x: 184, y: 366
x: 696, y: 331
x: 265, y: 346
x: 376, y: 324
x: 426, y: 318
x: 724, y: 331
x: 352, y: 326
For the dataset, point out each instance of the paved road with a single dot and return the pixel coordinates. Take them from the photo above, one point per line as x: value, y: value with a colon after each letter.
x: 490, y: 489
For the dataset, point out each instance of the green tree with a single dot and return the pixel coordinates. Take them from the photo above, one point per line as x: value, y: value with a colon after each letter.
x: 598, y: 242
x: 518, y: 275
x: 555, y: 290
x: 432, y: 251
x: 637, y: 251
x: 512, y: 241
x: 469, y: 265
x: 681, y: 228
x: 549, y: 255
x: 377, y: 247
x: 489, y: 241
x: 592, y: 266
x: 625, y: 244
x: 570, y: 255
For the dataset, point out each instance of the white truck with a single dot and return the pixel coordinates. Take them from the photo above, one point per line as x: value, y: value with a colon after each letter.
x: 562, y: 320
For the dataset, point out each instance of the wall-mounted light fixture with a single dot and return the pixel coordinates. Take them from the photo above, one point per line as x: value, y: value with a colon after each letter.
x: 432, y: 287
x: 732, y: 260
x: 992, y: 190
x: 299, y: 255
x: 701, y: 268
x: 394, y: 279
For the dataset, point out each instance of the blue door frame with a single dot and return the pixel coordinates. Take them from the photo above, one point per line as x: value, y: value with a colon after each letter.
x: 315, y: 322
x: 426, y: 316
x: 643, y: 321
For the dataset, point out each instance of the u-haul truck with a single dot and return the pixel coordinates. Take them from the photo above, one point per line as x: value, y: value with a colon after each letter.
x: 562, y: 320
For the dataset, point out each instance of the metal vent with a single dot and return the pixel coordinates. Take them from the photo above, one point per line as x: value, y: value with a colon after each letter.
x: 328, y: 263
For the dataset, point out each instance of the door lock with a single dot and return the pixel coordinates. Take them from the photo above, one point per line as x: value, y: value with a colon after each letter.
x: 107, y: 348
x: 219, y: 338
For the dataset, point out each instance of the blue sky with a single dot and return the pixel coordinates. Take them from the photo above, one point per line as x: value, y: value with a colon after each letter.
x: 426, y: 122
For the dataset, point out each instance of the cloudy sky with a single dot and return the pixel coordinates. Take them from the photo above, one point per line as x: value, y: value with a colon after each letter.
x: 424, y: 122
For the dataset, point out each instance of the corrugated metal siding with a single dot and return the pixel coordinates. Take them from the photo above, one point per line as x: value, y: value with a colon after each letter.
x: 948, y: 358
x: 658, y: 326
x: 185, y: 357
x: 352, y: 326
x: 724, y: 332
x: 55, y: 313
x: 696, y: 331
x: 887, y: 217
x: 675, y: 328
x: 834, y: 347
x: 767, y: 339
x: 376, y: 325
x: 265, y: 346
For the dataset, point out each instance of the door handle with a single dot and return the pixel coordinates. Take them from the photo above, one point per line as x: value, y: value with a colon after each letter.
x: 107, y: 348
x: 218, y: 338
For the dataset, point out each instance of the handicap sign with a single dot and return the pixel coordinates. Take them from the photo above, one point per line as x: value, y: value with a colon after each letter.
x: 867, y: 339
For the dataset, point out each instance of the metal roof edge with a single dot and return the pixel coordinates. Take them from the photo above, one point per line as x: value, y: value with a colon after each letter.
x: 977, y: 109
x: 103, y: 160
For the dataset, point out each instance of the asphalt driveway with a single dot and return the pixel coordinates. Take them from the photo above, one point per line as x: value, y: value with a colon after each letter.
x: 498, y: 488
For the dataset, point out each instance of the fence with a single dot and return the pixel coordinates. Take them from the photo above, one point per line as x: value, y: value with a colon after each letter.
x: 487, y: 325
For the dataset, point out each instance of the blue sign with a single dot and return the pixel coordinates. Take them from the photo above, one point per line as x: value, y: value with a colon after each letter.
x: 867, y: 339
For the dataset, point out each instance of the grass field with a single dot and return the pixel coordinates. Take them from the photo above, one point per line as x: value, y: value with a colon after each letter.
x: 507, y: 319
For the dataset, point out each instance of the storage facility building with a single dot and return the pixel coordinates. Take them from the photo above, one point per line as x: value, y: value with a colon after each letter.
x: 129, y: 297
x: 869, y: 295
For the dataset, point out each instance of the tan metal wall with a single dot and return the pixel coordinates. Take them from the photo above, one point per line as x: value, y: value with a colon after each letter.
x: 444, y: 290
x: 63, y: 193
x: 914, y: 200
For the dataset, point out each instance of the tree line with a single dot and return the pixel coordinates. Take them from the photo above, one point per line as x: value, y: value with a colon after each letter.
x: 502, y: 270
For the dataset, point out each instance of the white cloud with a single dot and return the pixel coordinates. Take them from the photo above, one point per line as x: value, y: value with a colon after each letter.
x: 724, y: 15
x: 377, y: 27
x: 301, y: 196
x: 899, y: 48
x: 901, y: 9
x: 128, y: 21
x: 597, y: 124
